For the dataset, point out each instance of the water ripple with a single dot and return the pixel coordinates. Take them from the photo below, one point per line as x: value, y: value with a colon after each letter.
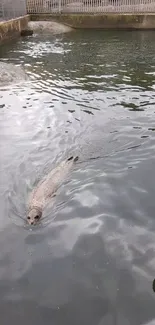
x: 91, y: 259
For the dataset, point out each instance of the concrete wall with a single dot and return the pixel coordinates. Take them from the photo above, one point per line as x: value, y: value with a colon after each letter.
x: 11, y: 29
x: 102, y: 21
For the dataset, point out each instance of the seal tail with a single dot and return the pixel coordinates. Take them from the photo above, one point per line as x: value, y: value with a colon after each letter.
x: 72, y: 158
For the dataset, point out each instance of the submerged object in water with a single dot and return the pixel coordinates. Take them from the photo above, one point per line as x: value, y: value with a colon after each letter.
x: 26, y: 32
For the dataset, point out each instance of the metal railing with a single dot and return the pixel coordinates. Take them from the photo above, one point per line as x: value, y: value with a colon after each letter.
x: 90, y: 6
x: 12, y: 9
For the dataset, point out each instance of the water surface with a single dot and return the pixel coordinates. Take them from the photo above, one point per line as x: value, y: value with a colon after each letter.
x: 92, y: 259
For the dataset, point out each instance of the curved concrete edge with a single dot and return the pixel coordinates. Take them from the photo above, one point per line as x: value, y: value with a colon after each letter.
x: 49, y: 27
x: 11, y: 29
x: 101, y: 21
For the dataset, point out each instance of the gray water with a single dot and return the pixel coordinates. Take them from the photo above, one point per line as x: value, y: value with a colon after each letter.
x: 91, y: 261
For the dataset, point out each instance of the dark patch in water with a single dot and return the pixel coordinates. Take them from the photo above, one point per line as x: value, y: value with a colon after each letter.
x: 146, y: 103
x: 153, y: 285
x: 132, y: 106
x: 114, y: 131
x: 90, y: 107
x: 71, y: 110
x: 70, y: 158
x: 136, y: 109
x: 151, y: 129
x: 2, y: 105
x: 134, y: 147
x: 144, y: 136
x: 88, y: 112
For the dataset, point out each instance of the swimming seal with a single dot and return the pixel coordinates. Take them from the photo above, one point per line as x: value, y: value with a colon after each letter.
x: 45, y: 190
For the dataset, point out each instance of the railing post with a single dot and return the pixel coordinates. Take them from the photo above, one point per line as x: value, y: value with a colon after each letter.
x: 3, y: 9
x: 59, y: 6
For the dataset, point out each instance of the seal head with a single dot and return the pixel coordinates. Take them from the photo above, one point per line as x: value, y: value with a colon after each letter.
x: 34, y: 216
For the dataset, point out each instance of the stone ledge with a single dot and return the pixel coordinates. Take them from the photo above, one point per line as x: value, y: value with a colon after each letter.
x: 11, y: 29
x: 101, y: 21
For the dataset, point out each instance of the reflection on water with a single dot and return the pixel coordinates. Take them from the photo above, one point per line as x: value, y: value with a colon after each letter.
x: 91, y: 261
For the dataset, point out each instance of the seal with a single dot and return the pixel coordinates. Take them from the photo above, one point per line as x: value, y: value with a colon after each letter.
x: 46, y: 189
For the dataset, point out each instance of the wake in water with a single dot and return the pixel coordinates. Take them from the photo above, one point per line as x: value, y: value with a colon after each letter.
x: 88, y: 149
